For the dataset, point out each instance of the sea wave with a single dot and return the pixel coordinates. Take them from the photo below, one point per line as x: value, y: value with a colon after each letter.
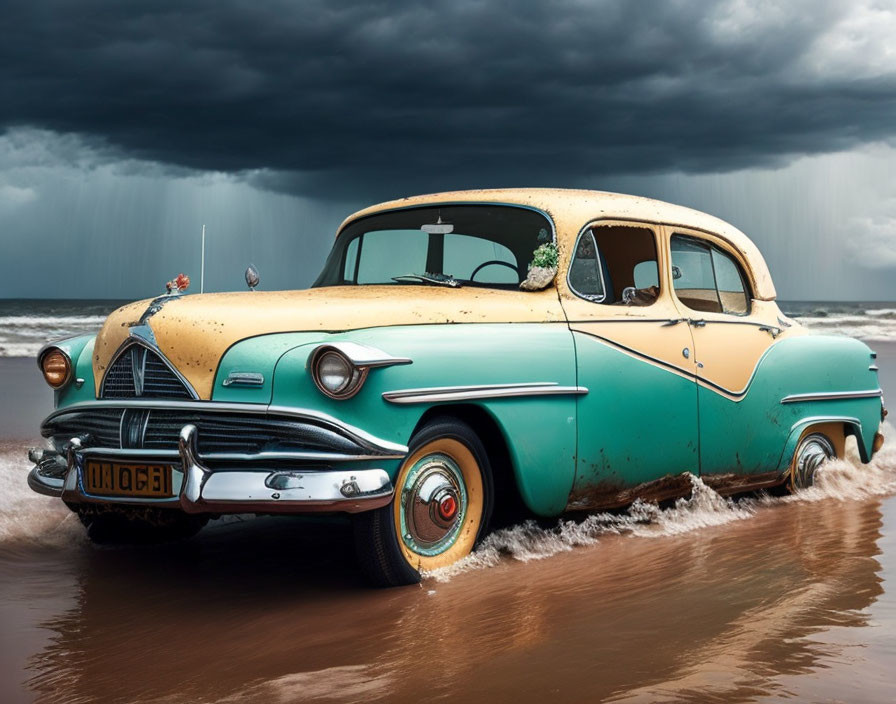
x: 53, y: 321
x: 867, y: 327
x: 887, y: 313
x: 24, y: 335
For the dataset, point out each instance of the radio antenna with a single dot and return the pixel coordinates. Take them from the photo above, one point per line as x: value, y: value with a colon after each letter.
x: 202, y: 264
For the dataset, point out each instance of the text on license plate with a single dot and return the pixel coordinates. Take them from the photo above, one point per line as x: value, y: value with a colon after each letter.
x: 116, y: 479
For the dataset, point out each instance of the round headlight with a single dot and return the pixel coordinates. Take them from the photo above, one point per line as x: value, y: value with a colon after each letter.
x: 335, y: 375
x: 56, y: 366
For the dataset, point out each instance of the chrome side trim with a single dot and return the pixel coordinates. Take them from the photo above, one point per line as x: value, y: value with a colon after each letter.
x: 467, y: 393
x: 365, y: 439
x: 364, y: 355
x: 244, y: 379
x: 832, y: 396
x: 298, y: 456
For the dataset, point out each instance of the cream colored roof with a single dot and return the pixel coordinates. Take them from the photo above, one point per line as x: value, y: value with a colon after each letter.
x: 573, y: 209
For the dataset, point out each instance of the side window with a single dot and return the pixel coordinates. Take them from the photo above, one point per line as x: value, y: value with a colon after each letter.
x: 585, y: 270
x: 616, y: 265
x: 730, y: 284
x: 692, y: 276
x: 706, y: 279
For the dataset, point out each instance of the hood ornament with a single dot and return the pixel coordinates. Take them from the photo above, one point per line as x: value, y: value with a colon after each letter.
x: 252, y: 277
x: 178, y: 285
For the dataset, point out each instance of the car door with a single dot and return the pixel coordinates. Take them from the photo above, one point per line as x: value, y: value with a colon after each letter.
x: 638, y: 422
x: 731, y: 333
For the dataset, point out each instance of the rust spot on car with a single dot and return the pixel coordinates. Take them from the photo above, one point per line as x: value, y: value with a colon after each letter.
x: 727, y: 483
x: 609, y: 495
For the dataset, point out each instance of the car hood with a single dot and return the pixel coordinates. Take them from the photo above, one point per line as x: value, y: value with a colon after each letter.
x: 194, y: 331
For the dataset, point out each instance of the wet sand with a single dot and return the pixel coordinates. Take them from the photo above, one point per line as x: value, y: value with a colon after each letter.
x: 706, y: 602
x: 26, y: 400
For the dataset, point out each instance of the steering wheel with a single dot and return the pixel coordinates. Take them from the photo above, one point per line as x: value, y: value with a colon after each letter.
x: 494, y: 261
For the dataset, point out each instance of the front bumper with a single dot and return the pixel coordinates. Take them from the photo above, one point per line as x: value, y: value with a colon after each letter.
x: 200, y: 489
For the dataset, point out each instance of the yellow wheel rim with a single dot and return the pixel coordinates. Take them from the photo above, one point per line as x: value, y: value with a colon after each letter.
x: 438, y: 504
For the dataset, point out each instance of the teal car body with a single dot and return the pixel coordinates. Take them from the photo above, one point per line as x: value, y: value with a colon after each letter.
x: 656, y: 353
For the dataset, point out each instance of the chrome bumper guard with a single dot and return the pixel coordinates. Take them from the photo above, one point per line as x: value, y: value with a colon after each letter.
x: 221, y: 491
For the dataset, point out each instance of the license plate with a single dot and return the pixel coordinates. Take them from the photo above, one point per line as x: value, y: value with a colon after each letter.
x: 116, y: 479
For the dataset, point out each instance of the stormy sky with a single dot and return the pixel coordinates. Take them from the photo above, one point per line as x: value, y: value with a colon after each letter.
x: 126, y: 126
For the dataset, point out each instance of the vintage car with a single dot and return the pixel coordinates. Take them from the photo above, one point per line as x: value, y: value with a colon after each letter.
x: 418, y: 389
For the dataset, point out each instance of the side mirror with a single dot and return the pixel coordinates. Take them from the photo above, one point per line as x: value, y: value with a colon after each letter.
x: 252, y: 278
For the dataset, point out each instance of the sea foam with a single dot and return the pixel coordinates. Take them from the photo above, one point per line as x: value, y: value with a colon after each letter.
x: 838, y: 480
x: 27, y: 517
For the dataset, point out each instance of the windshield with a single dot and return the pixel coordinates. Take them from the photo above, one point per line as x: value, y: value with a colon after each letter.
x: 449, y: 245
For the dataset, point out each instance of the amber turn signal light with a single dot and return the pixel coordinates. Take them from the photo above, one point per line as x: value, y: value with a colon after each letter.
x: 57, y: 367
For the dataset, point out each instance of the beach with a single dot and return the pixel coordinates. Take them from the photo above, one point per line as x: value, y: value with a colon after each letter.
x: 709, y: 600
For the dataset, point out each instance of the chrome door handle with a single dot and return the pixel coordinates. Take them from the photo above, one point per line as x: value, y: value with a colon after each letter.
x: 698, y: 323
x: 686, y: 353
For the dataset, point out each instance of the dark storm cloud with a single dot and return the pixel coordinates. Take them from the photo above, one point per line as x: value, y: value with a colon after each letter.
x: 330, y: 95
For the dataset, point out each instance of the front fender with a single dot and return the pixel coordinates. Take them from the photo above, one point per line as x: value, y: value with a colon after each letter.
x: 540, y: 430
x: 81, y: 388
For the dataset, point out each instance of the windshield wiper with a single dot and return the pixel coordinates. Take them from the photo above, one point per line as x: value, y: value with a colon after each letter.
x: 427, y: 278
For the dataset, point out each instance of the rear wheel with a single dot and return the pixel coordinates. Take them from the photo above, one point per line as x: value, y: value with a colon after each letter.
x: 133, y: 527
x: 441, y: 507
x: 813, y: 450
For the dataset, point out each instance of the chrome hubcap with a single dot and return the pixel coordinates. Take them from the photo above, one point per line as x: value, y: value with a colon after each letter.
x: 813, y: 451
x: 433, y: 505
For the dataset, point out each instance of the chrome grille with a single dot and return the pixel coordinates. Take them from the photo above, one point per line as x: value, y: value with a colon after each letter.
x: 152, y: 374
x: 219, y: 432
x: 119, y: 381
x: 102, y: 425
x: 242, y: 434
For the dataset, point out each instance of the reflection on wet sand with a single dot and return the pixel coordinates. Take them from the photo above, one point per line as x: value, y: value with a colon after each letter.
x: 272, y: 611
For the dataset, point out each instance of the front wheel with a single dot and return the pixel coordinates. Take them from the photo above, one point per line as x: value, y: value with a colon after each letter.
x: 441, y: 507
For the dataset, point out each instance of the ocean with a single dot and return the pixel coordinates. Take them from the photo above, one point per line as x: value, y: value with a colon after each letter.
x: 27, y: 324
